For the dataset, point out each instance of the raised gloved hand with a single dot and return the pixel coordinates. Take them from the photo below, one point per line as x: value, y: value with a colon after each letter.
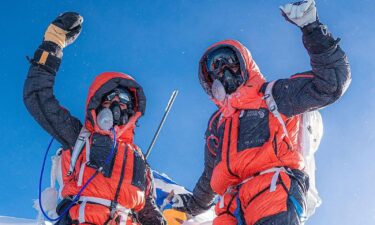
x: 65, y: 29
x: 300, y: 13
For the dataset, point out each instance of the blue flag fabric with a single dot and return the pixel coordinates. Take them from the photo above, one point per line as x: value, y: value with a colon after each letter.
x: 163, y: 187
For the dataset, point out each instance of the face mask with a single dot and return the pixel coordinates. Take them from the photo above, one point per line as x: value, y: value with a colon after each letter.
x: 218, y: 90
x: 105, y: 119
x: 229, y: 81
x: 108, y: 117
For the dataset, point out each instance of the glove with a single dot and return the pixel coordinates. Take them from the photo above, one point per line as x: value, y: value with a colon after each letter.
x: 65, y: 29
x: 180, y: 202
x: 300, y: 13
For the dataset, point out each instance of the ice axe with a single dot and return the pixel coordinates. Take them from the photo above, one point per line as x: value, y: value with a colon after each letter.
x: 166, y: 112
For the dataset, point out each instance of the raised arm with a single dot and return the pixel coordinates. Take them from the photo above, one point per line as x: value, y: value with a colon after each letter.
x: 330, y: 75
x: 38, y: 94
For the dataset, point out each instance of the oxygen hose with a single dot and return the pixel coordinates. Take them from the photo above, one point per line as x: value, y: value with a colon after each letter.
x: 75, y: 199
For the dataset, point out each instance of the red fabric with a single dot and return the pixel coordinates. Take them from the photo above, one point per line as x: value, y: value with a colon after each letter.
x: 125, y: 131
x: 302, y: 76
x: 257, y: 201
x: 101, y: 79
x: 130, y: 196
x: 224, y: 219
x: 236, y: 166
x: 230, y: 204
x: 257, y: 204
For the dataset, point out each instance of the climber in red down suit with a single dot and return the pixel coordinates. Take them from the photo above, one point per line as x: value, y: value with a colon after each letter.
x: 121, y: 190
x: 250, y: 162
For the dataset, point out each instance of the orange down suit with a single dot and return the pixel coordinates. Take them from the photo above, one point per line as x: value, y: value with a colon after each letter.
x: 250, y: 162
x: 122, y: 190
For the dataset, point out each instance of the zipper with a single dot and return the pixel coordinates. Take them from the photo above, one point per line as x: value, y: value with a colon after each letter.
x: 121, y: 175
x: 228, y: 151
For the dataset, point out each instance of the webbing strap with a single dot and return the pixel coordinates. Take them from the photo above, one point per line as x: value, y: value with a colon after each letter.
x: 272, y: 106
x: 121, y: 210
x: 81, y: 215
x: 275, y: 177
x: 123, y: 218
x: 82, y: 170
x: 78, y: 146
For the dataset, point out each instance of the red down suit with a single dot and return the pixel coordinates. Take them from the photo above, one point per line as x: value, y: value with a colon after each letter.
x: 249, y: 161
x: 126, y: 181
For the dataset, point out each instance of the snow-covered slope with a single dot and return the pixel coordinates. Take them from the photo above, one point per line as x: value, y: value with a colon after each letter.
x: 4, y: 220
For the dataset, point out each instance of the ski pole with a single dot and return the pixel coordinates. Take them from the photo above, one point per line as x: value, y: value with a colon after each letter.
x: 167, y: 109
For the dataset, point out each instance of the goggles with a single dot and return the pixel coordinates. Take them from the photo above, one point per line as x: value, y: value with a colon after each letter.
x: 219, y: 60
x: 122, y: 94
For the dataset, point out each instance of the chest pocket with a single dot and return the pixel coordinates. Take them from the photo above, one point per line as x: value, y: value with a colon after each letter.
x: 100, y: 149
x: 253, y: 128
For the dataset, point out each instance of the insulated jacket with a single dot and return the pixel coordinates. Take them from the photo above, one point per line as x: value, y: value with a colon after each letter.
x: 127, y: 179
x: 244, y: 138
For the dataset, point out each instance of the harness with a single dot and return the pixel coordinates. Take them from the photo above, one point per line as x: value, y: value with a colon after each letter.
x: 116, y: 210
x: 234, y: 189
x: 275, y: 177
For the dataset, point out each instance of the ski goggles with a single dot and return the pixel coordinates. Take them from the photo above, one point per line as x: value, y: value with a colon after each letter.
x: 219, y: 60
x: 122, y: 94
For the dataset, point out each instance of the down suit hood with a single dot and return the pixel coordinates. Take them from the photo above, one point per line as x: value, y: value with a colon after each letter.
x: 102, y: 85
x: 248, y: 94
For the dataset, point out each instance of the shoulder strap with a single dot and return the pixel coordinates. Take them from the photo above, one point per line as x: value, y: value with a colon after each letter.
x: 272, y: 106
x: 84, y: 134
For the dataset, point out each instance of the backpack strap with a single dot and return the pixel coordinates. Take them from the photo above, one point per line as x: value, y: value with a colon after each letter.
x: 272, y: 106
x: 84, y: 134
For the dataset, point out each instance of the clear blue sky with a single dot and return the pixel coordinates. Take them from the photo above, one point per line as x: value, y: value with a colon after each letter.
x: 160, y: 43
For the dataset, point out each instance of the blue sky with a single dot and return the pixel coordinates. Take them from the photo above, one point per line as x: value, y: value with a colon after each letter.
x: 159, y: 43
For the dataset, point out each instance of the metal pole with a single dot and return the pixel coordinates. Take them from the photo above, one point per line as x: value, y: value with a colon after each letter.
x: 167, y: 109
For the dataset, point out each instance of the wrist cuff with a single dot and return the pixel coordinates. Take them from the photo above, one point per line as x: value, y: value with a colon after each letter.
x: 46, y: 60
x: 52, y: 48
x: 317, y: 39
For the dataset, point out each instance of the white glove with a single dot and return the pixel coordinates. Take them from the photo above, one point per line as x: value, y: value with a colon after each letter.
x: 300, y: 13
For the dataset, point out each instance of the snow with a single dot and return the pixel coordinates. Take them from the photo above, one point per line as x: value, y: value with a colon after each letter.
x: 5, y: 220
